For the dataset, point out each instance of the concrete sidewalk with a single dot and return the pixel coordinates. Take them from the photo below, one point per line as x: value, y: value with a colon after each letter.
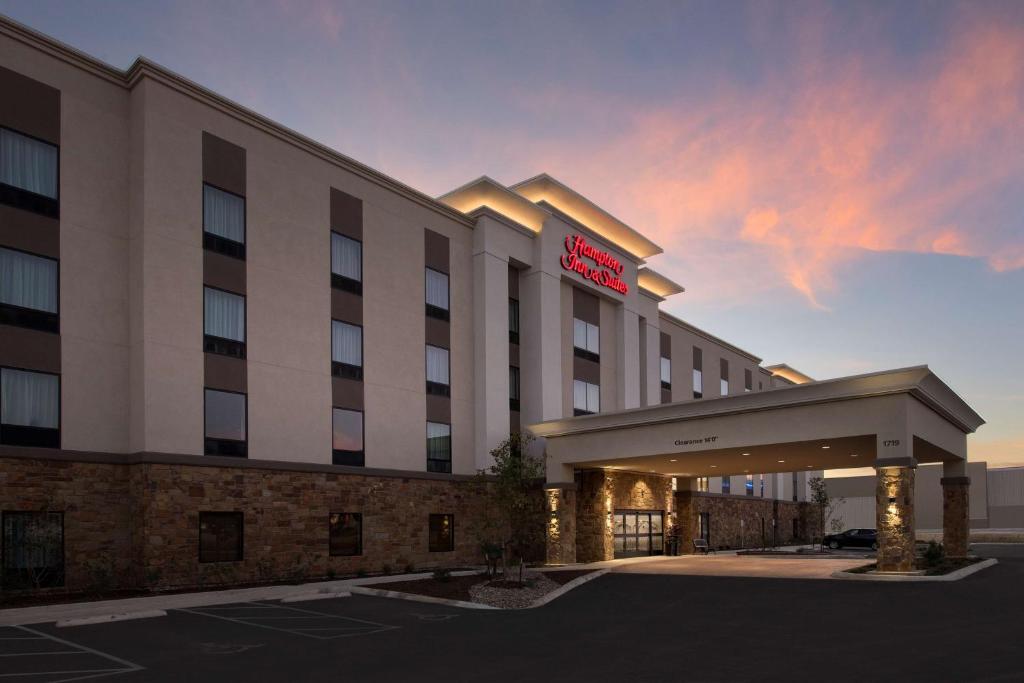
x: 18, y: 616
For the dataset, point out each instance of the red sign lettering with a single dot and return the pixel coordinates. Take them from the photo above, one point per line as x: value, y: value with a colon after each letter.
x: 606, y: 271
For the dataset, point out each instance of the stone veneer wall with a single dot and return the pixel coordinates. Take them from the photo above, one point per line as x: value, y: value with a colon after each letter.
x: 725, y: 512
x: 956, y: 515
x: 894, y: 515
x: 600, y: 493
x: 137, y: 525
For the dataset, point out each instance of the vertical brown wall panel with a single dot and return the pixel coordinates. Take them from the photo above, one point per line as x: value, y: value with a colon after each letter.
x: 223, y: 164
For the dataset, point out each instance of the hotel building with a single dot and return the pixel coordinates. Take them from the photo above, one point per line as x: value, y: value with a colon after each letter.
x: 229, y: 353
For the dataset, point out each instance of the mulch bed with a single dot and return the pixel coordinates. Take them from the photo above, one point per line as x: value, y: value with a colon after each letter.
x: 455, y: 588
x: 565, y: 576
x: 944, y: 567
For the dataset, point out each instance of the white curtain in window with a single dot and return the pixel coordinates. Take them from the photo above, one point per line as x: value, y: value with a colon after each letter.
x: 223, y: 214
x: 593, y: 338
x: 346, y: 257
x: 586, y: 336
x: 224, y: 314
x: 593, y: 398
x: 28, y: 281
x: 437, y: 289
x: 437, y: 365
x: 346, y: 343
x: 27, y: 163
x: 724, y: 387
x: 29, y: 399
x: 698, y: 381
x: 579, y: 395
x: 666, y: 370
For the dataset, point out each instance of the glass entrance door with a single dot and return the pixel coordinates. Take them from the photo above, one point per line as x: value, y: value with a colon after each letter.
x: 638, y: 533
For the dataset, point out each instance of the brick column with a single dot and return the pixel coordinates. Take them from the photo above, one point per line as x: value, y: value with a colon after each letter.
x: 955, y: 515
x: 894, y: 515
x: 686, y: 520
x: 561, y: 525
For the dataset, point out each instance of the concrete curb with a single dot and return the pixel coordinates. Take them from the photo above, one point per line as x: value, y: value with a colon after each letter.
x: 952, y: 576
x: 324, y: 595
x: 562, y: 590
x: 108, y: 618
x: 413, y: 597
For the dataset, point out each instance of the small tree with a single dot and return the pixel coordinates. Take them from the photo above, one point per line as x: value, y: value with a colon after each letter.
x: 827, y: 507
x: 514, y: 480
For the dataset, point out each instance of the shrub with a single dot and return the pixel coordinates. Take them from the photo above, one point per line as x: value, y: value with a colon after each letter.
x: 361, y: 573
x: 410, y: 568
x: 442, y: 574
x: 386, y: 569
x: 934, y: 554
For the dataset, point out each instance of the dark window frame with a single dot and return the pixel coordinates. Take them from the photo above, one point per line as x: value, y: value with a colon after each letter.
x: 513, y: 316
x: 343, y: 282
x: 26, y: 199
x: 241, y: 534
x: 359, y: 542
x: 225, y: 245
x: 232, y: 448
x: 34, y: 437
x: 23, y: 579
x: 222, y: 346
x: 433, y: 311
x: 445, y: 466
x: 451, y: 535
x: 437, y: 388
x: 514, y: 396
x: 32, y: 318
x: 347, y: 370
x: 340, y: 456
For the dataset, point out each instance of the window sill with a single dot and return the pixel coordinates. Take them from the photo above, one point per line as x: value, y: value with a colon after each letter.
x: 346, y: 284
x: 222, y: 245
x: 226, y: 447
x: 29, y: 318
x: 34, y: 437
x: 346, y: 371
x: 29, y: 201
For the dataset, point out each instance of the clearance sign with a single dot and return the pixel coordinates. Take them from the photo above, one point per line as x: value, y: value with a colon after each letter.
x: 606, y: 269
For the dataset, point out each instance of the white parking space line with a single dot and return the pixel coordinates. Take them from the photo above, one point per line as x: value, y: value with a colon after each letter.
x: 277, y: 617
x: 57, y: 674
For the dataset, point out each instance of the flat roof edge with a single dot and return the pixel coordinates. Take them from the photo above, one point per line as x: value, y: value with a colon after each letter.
x: 707, y: 335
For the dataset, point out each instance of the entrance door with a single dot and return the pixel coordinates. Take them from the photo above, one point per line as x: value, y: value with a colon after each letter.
x: 639, y: 533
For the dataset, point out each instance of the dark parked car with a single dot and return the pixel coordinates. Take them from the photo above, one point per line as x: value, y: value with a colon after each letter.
x: 853, y: 538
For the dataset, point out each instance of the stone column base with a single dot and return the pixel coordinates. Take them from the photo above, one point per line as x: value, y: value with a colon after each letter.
x: 561, y: 525
x: 894, y: 514
x: 955, y: 515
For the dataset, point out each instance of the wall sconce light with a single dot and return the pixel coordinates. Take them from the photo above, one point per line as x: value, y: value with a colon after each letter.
x: 892, y: 499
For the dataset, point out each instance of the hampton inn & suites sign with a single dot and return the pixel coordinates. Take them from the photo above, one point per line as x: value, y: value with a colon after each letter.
x: 593, y: 264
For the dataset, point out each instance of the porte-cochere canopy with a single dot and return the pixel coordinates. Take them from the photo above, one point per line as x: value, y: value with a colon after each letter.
x: 858, y: 421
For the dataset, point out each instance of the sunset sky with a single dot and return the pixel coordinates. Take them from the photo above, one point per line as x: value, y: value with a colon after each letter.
x: 839, y: 186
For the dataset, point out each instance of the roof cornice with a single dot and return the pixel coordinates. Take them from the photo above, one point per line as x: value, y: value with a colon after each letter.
x: 143, y: 68
x: 708, y: 336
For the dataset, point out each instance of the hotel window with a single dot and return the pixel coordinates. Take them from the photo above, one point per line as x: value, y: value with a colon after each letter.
x: 441, y: 533
x: 513, y: 321
x: 723, y: 387
x: 28, y: 173
x: 726, y: 485
x: 346, y: 263
x: 225, y: 417
x: 223, y: 222
x: 748, y: 380
x: 33, y: 550
x: 346, y: 350
x: 513, y: 387
x: 345, y: 534
x: 666, y: 373
x: 794, y: 487
x: 750, y: 484
x: 223, y: 322
x: 28, y: 291
x: 439, y: 447
x: 698, y: 373
x: 586, y: 340
x: 347, y: 438
x: 220, y: 536
x: 437, y: 371
x: 762, y: 484
x: 586, y: 397
x: 702, y: 484
x: 437, y: 294
x: 29, y: 408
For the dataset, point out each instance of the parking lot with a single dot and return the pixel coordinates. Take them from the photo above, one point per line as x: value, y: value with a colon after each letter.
x: 622, y: 626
